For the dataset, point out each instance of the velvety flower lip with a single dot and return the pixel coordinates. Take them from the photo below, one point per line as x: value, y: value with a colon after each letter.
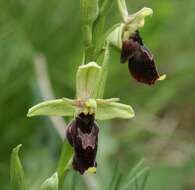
x: 140, y: 60
x: 130, y: 46
x: 82, y: 134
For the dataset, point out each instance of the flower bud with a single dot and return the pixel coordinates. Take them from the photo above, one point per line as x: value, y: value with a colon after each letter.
x: 89, y: 11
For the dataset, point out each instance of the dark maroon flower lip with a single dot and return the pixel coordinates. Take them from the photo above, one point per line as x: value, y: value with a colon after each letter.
x: 82, y: 134
x: 140, y: 60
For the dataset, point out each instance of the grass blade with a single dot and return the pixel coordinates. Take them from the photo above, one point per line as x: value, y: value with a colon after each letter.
x: 134, y: 178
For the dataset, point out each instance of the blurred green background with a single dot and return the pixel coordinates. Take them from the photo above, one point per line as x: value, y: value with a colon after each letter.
x: 163, y: 131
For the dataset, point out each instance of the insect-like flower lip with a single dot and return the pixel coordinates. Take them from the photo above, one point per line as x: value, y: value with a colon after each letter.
x: 82, y: 134
x: 130, y: 46
x: 85, y: 122
x: 136, y: 37
x: 140, y: 60
x: 86, y: 119
x: 88, y: 140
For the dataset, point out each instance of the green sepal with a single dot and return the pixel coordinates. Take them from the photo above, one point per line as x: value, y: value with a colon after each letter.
x: 51, y: 183
x: 110, y: 110
x: 16, y: 170
x: 136, y: 21
x: 116, y: 35
x: 87, y: 80
x: 58, y: 107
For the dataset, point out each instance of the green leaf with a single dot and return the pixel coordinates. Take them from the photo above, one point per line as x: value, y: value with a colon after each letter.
x: 110, y: 110
x: 50, y: 183
x: 64, y: 161
x: 58, y: 107
x: 135, y: 176
x: 116, y: 179
x: 16, y: 170
x: 87, y: 80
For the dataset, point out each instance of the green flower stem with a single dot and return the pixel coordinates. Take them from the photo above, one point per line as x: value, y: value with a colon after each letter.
x: 98, y: 32
x: 93, y: 50
x: 87, y: 35
x: 105, y: 6
x: 99, y: 35
x: 89, y: 54
x: 104, y: 71
x: 88, y: 44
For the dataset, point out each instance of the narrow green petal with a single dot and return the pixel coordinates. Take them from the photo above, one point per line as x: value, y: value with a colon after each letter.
x: 138, y: 17
x: 110, y: 110
x: 102, y: 101
x: 58, y: 107
x: 87, y: 80
x: 137, y: 20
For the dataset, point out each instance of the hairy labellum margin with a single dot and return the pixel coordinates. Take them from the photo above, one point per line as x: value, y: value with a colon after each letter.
x: 82, y: 134
x: 140, y: 60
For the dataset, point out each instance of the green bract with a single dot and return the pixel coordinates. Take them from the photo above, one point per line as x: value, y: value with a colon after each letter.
x: 86, y: 102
